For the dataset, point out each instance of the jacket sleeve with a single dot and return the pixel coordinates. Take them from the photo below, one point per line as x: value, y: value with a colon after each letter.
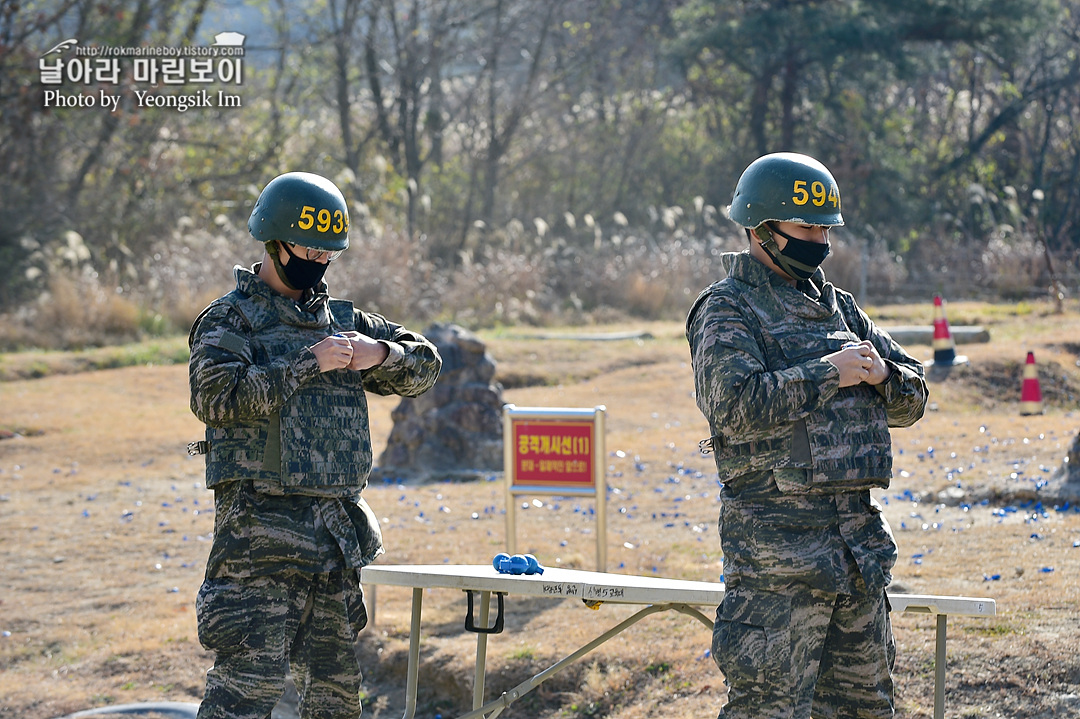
x: 735, y: 390
x: 225, y: 382
x: 413, y: 364
x: 905, y: 392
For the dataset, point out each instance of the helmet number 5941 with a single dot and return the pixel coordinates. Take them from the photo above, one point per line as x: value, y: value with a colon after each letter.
x: 817, y: 191
x: 322, y: 220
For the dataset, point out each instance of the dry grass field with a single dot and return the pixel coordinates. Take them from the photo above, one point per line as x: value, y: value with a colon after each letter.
x: 105, y: 526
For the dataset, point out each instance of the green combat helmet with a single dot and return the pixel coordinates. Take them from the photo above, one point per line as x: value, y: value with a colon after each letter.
x: 302, y: 209
x: 786, y: 187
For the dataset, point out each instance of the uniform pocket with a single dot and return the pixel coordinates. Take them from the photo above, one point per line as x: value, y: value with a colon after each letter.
x: 354, y: 600
x: 368, y: 532
x: 875, y: 535
x: 752, y: 636
x: 798, y: 348
x: 224, y: 611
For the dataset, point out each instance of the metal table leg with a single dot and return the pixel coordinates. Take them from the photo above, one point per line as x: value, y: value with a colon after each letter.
x: 481, y: 652
x: 939, y: 668
x: 496, y: 706
x: 414, y: 653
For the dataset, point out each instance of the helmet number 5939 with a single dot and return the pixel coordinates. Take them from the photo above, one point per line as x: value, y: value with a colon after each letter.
x: 322, y: 220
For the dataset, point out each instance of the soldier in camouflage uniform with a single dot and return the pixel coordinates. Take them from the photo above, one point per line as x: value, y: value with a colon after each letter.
x: 800, y: 389
x: 278, y: 373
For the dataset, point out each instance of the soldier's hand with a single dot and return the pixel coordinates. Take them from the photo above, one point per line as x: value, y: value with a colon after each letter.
x: 879, y: 371
x: 334, y: 352
x: 858, y: 363
x: 367, y: 352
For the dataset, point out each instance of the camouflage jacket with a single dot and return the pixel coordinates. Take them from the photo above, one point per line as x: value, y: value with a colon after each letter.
x: 773, y: 401
x: 775, y: 409
x: 271, y: 415
x: 288, y: 446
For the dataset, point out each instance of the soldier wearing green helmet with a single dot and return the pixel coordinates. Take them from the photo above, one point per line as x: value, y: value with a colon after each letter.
x: 787, y: 188
x: 800, y: 389
x: 279, y: 372
x: 299, y: 209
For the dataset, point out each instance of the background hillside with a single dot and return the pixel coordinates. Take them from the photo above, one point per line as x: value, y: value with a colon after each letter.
x: 509, y: 161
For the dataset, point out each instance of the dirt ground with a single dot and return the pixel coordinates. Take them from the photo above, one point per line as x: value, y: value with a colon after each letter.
x: 105, y: 526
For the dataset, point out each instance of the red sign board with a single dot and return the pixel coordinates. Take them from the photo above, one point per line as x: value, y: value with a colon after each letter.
x: 554, y: 452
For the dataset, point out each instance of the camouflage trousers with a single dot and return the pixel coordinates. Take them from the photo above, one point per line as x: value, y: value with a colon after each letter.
x: 800, y: 651
x: 261, y: 627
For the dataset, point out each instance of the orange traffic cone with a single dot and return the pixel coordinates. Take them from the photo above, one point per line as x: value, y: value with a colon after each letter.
x: 1030, y: 393
x: 943, y: 344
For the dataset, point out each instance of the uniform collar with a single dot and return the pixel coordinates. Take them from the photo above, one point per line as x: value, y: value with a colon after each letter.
x: 311, y: 309
x: 750, y: 270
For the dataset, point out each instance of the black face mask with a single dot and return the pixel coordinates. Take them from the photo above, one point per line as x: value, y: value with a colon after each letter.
x: 301, y: 273
x: 799, y: 258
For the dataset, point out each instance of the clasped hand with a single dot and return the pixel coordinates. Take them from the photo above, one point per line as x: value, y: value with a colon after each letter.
x: 858, y: 363
x: 349, y: 350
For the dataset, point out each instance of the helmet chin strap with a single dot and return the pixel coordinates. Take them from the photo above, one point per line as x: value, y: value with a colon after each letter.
x: 274, y: 251
x: 791, y: 267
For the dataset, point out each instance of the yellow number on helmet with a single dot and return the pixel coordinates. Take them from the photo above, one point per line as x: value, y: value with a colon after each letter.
x: 307, y: 220
x: 801, y: 195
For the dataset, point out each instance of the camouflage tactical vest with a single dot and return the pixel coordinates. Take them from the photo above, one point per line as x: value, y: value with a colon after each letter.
x: 843, y: 446
x: 318, y: 442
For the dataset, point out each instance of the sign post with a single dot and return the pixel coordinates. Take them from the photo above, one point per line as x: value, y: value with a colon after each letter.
x: 555, y: 450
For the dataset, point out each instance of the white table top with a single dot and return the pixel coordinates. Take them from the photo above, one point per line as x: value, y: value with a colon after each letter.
x: 624, y: 588
x: 554, y: 582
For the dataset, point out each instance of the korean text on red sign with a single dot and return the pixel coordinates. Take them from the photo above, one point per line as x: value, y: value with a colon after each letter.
x: 553, y: 452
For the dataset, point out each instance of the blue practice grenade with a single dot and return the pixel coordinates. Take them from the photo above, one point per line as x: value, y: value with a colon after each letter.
x: 517, y: 564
